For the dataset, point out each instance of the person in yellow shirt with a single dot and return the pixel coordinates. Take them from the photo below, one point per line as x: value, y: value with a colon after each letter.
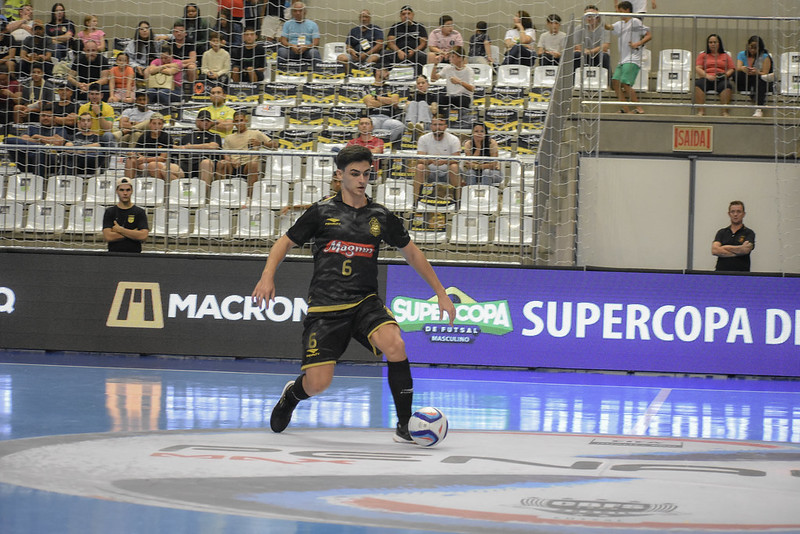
x: 102, y: 116
x: 221, y: 115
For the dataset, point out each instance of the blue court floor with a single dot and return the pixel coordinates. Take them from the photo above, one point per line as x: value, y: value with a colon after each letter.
x: 122, y: 444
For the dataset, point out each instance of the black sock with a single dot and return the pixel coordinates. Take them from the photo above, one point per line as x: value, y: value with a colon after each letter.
x: 296, y: 393
x: 402, y: 387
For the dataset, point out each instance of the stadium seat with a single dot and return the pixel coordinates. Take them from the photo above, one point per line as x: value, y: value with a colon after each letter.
x: 309, y: 191
x: 427, y: 71
x: 397, y: 195
x: 642, y: 82
x: 469, y: 229
x: 516, y: 200
x: 483, y: 74
x: 479, y: 199
x: 85, y: 219
x: 320, y: 168
x: 328, y: 73
x: 402, y: 74
x: 514, y: 76
x: 147, y: 191
x: 64, y: 189
x: 591, y: 78
x: 212, y: 223
x: 528, y: 164
x: 25, y: 187
x: 545, y: 76
x: 330, y: 51
x: 170, y: 222
x: 101, y: 190
x: 10, y: 215
x: 513, y: 230
x: 255, y: 223
x: 789, y: 67
x: 187, y: 192
x: 47, y: 217
x: 674, y: 71
x: 271, y: 194
x: 228, y: 193
x: 495, y: 53
x: 288, y: 168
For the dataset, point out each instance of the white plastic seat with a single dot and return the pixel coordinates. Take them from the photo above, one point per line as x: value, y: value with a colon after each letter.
x: 309, y: 191
x: 25, y: 187
x: 516, y: 176
x: 289, y: 168
x: 330, y: 51
x: 228, y: 193
x: 297, y: 78
x: 642, y: 82
x: 11, y: 215
x: 270, y: 194
x: 514, y: 76
x: 188, y: 192
x: 591, y: 78
x: 397, y: 195
x: 674, y: 71
x: 64, y: 189
x: 255, y: 223
x: 789, y: 68
x: 469, y: 229
x: 101, y: 190
x: 483, y: 74
x: 170, y: 222
x: 85, y: 219
x: 402, y: 74
x: 45, y: 217
x: 427, y: 71
x: 495, y: 52
x: 212, y: 222
x: 516, y: 200
x: 513, y: 230
x: 479, y: 199
x: 321, y: 169
x: 148, y: 191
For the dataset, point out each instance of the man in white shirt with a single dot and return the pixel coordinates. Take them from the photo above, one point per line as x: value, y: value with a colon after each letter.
x: 438, y: 142
x: 639, y: 6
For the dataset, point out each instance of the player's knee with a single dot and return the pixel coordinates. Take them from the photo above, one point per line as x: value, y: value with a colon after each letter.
x: 395, y: 349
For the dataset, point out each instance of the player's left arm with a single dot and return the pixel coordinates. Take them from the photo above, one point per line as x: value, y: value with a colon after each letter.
x: 416, y: 259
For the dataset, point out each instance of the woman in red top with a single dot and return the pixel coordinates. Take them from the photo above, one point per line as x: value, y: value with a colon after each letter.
x: 713, y: 71
x: 365, y: 138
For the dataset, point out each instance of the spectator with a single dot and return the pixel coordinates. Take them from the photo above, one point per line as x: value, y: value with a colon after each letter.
x: 366, y: 139
x: 551, y: 43
x: 250, y: 60
x: 41, y: 162
x: 21, y: 27
x: 420, y: 110
x: 91, y: 32
x: 200, y: 165
x: 102, y: 116
x: 196, y: 28
x: 480, y: 46
x: 10, y: 94
x: 459, y: 80
x: 60, y: 30
x: 592, y: 41
x: 632, y: 35
x: 713, y: 70
x: 229, y: 30
x: 143, y: 49
x: 637, y: 6
x: 84, y: 162
x: 383, y: 107
x: 406, y: 41
x: 478, y: 145
x: 183, y: 50
x: 8, y: 53
x: 252, y: 14
x: 35, y: 92
x: 65, y: 111
x: 151, y: 159
x: 36, y: 48
x: 89, y: 68
x: 244, y: 139
x: 235, y: 9
x: 520, y: 41
x: 124, y: 224
x: 121, y: 81
x: 271, y: 10
x: 133, y: 121
x: 438, y: 144
x: 752, y: 65
x: 442, y: 40
x: 163, y: 70
x: 216, y: 62
x: 221, y: 115
x: 733, y: 244
x: 299, y: 38
x: 364, y: 43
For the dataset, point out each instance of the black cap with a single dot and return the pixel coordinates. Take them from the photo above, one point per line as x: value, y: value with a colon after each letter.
x: 204, y: 115
x: 406, y: 8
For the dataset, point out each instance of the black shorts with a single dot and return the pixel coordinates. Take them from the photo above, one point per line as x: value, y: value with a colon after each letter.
x: 327, y: 334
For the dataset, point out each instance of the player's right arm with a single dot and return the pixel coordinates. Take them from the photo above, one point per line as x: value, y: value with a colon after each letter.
x: 265, y: 288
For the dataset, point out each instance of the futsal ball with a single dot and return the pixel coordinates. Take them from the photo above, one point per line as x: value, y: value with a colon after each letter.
x: 428, y: 427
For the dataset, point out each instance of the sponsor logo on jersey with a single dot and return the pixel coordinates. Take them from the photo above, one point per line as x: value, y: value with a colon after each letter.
x: 332, y: 221
x: 349, y: 250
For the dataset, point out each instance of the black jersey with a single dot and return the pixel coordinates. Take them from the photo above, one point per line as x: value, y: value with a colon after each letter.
x: 345, y: 245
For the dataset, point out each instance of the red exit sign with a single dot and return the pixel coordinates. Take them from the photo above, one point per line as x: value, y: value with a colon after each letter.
x: 688, y: 138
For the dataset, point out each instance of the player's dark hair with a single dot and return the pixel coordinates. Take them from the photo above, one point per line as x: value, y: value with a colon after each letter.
x: 352, y: 154
x: 625, y: 6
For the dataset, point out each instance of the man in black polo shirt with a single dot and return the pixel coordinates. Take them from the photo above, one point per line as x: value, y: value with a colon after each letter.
x: 733, y: 244
x: 89, y: 68
x: 200, y: 165
x: 406, y: 41
x: 346, y: 230
x: 125, y: 225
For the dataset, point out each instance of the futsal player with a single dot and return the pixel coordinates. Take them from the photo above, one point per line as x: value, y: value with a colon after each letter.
x: 347, y: 229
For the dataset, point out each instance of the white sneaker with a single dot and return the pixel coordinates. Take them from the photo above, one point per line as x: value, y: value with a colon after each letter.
x: 758, y: 113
